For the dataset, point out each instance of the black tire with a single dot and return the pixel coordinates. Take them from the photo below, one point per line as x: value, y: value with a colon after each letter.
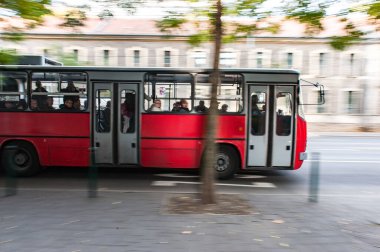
x: 20, y: 159
x: 227, y: 163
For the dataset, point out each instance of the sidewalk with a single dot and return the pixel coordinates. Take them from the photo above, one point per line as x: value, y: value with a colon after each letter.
x: 344, y: 134
x: 133, y: 221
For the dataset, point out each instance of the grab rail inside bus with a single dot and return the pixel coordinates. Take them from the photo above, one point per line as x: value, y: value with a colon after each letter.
x: 321, y: 92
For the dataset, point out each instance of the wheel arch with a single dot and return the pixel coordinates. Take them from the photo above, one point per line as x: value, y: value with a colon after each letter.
x: 21, y: 140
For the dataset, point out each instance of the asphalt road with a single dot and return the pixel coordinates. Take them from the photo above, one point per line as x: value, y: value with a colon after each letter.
x: 349, y: 167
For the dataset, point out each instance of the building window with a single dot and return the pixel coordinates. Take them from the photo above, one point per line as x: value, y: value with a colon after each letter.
x: 353, y: 65
x: 199, y: 58
x: 322, y: 64
x: 75, y: 55
x: 228, y: 59
x: 167, y: 59
x: 259, y: 59
x: 106, y: 57
x: 46, y: 53
x: 136, y: 58
x: 353, y: 102
x: 289, y: 60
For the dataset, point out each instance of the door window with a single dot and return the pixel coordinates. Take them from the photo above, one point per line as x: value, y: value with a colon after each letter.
x: 283, y: 113
x: 128, y: 111
x: 258, y: 113
x: 103, y: 110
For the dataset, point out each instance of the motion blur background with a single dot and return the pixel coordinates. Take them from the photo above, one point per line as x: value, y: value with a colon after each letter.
x: 86, y: 35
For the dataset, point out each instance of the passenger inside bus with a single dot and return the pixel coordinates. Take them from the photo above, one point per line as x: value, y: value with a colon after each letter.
x: 41, y: 99
x: 156, y: 106
x: 68, y: 105
x: 184, y: 106
x: 224, y: 108
x: 176, y: 107
x: 49, y: 103
x: 77, y: 105
x: 258, y: 118
x: 21, y: 105
x: 33, y: 104
x: 201, y: 108
x: 9, y: 105
x: 70, y: 89
x: 128, y: 112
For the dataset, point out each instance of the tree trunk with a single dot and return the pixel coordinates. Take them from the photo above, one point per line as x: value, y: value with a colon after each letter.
x: 208, y: 170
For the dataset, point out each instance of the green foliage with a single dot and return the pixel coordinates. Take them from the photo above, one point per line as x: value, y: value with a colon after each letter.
x: 128, y: 5
x: 199, y: 38
x: 74, y: 18
x: 32, y: 10
x: 8, y: 57
x: 342, y: 42
x: 374, y: 10
x: 171, y: 22
x: 308, y: 13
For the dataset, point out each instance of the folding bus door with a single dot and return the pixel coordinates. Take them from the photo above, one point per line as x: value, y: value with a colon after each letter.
x: 270, y: 126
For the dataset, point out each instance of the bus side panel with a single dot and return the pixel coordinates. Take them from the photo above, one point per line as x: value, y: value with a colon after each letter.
x: 232, y: 131
x: 170, y: 153
x: 60, y: 139
x: 301, y: 141
x: 176, y: 141
x: 69, y: 151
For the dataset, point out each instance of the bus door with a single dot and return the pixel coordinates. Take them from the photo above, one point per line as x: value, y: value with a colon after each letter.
x: 270, y: 124
x: 115, y: 123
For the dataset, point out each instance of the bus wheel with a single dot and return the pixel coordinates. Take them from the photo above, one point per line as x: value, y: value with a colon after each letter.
x: 226, y: 162
x: 22, y: 161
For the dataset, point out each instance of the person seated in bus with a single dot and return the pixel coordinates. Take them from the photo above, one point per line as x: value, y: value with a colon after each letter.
x: 156, y: 106
x: 184, y: 106
x: 68, y: 105
x: 201, y: 108
x: 70, y: 89
x: 77, y: 105
x: 224, y: 108
x: 176, y: 107
x: 49, y: 103
x: 21, y: 105
x: 41, y: 99
x: 9, y: 105
x: 34, y: 104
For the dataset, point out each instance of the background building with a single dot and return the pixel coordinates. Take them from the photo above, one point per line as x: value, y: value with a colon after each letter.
x: 351, y: 77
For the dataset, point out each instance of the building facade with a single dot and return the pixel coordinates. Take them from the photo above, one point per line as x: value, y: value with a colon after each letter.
x: 351, y: 78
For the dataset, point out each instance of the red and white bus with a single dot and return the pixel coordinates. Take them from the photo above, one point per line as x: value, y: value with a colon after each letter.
x: 261, y: 126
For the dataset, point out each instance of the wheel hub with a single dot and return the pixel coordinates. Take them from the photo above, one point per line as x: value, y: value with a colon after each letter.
x: 222, y: 162
x: 21, y: 159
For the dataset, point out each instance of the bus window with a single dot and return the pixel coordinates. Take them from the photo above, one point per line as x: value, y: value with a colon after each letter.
x: 283, y: 113
x: 52, y: 89
x: 230, y: 98
x: 169, y: 89
x: 13, y: 90
x: 258, y: 113
x: 128, y: 111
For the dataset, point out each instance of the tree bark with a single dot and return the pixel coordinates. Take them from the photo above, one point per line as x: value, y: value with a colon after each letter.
x: 208, y: 170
